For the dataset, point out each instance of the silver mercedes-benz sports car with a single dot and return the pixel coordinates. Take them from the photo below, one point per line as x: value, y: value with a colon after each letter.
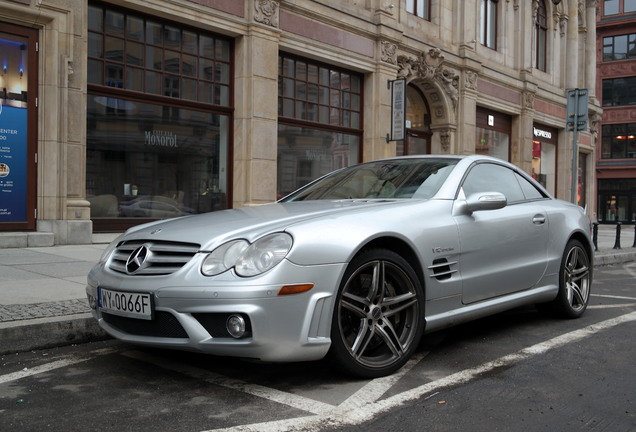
x: 356, y: 266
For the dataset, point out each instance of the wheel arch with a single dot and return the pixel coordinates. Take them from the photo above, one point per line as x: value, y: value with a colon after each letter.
x: 584, y: 240
x: 400, y: 247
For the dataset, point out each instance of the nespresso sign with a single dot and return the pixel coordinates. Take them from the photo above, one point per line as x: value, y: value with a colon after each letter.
x: 545, y: 134
x: 540, y: 133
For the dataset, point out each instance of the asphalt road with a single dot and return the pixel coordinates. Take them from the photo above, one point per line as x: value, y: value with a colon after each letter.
x: 515, y: 371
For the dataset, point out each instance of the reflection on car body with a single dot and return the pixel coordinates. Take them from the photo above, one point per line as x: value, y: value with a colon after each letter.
x: 357, y: 266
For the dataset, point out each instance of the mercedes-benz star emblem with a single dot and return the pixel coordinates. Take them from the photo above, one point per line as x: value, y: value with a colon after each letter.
x: 137, y: 259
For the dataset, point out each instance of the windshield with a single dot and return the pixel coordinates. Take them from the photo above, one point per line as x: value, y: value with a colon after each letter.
x: 388, y: 179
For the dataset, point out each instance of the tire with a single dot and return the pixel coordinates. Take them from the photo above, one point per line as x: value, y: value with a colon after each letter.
x: 378, y: 317
x: 575, y: 282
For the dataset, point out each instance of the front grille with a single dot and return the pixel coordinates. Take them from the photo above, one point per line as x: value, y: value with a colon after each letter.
x: 164, y: 325
x: 163, y: 257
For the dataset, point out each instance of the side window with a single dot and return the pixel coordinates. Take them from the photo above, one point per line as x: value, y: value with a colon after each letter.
x: 489, y: 177
x: 531, y: 192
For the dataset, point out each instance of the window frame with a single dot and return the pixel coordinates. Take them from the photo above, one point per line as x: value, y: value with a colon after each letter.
x: 611, y: 87
x: 220, y: 79
x: 419, y: 8
x: 170, y: 105
x: 620, y: 7
x: 292, y: 170
x: 492, y: 167
x: 610, y: 134
x: 630, y: 40
x: 489, y: 16
x: 541, y: 37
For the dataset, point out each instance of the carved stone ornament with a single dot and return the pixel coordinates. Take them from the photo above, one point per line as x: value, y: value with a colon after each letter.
x: 445, y: 139
x: 595, y: 121
x: 471, y: 80
x: 389, y: 52
x: 563, y: 21
x: 266, y: 12
x: 528, y: 100
x: 429, y: 67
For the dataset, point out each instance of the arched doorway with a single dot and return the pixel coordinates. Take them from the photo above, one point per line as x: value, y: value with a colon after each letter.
x: 418, y: 124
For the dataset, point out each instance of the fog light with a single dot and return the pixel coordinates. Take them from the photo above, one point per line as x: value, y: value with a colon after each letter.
x: 235, y: 325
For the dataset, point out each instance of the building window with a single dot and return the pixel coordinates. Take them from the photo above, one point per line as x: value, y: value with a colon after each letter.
x: 615, y: 7
x: 619, y: 141
x: 488, y: 31
x: 421, y: 8
x: 146, y: 55
x: 617, y: 200
x: 581, y: 196
x: 418, y: 125
x: 493, y: 134
x: 320, y: 120
x: 158, y: 119
x: 620, y: 47
x: 544, y: 156
x: 619, y: 91
x: 541, y: 34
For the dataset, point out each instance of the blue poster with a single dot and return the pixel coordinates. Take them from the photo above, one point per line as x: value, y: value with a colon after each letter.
x: 13, y: 164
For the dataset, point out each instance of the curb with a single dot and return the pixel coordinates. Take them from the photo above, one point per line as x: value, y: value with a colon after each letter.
x: 615, y: 258
x: 43, y: 333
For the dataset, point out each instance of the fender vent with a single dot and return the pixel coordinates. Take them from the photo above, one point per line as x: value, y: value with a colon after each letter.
x: 442, y: 269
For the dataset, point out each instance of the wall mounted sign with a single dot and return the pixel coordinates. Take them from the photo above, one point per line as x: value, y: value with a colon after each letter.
x: 398, y: 110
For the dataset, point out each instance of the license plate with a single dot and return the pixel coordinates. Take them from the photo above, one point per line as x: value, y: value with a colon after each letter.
x: 132, y: 305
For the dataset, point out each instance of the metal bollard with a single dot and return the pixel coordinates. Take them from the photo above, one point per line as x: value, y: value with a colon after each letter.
x: 617, y: 244
x: 634, y: 245
x: 595, y: 235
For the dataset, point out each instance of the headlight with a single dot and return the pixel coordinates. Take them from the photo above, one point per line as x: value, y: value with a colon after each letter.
x: 248, y: 259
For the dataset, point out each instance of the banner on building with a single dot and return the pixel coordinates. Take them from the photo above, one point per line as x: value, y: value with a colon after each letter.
x: 13, y: 164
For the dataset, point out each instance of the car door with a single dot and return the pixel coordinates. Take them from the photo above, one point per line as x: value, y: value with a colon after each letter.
x: 504, y: 250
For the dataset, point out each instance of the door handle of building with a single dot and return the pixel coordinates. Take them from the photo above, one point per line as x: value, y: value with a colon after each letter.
x: 538, y: 219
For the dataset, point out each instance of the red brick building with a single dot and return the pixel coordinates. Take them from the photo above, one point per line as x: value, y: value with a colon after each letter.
x: 616, y: 87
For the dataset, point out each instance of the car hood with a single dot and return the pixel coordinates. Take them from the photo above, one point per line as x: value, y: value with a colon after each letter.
x: 212, y: 229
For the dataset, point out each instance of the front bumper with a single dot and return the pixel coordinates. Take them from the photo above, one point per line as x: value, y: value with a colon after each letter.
x: 190, y: 311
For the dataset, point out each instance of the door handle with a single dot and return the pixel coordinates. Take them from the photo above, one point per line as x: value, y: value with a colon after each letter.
x: 538, y: 219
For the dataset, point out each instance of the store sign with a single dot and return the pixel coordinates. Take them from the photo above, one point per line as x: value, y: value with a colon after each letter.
x: 539, y: 133
x: 398, y: 110
x: 160, y: 138
x: 13, y: 164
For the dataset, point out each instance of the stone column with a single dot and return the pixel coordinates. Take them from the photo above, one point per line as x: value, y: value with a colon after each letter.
x: 572, y: 64
x: 377, y: 110
x: 465, y: 136
x: 256, y: 114
x: 521, y: 153
x: 590, y: 48
x: 62, y: 206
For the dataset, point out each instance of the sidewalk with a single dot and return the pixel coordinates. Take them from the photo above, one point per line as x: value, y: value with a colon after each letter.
x: 43, y: 303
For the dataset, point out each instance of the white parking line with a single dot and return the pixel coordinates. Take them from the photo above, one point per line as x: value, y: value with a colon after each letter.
x: 54, y: 365
x: 614, y: 297
x: 289, y: 399
x: 374, y: 389
x: 353, y: 414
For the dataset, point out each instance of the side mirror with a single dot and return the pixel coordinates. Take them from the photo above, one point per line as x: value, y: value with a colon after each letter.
x: 486, y: 201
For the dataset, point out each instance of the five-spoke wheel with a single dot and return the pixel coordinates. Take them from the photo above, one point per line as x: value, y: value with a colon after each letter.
x: 575, y: 281
x: 378, y: 318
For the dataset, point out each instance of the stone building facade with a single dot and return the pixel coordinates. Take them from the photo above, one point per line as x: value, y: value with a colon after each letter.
x: 142, y: 109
